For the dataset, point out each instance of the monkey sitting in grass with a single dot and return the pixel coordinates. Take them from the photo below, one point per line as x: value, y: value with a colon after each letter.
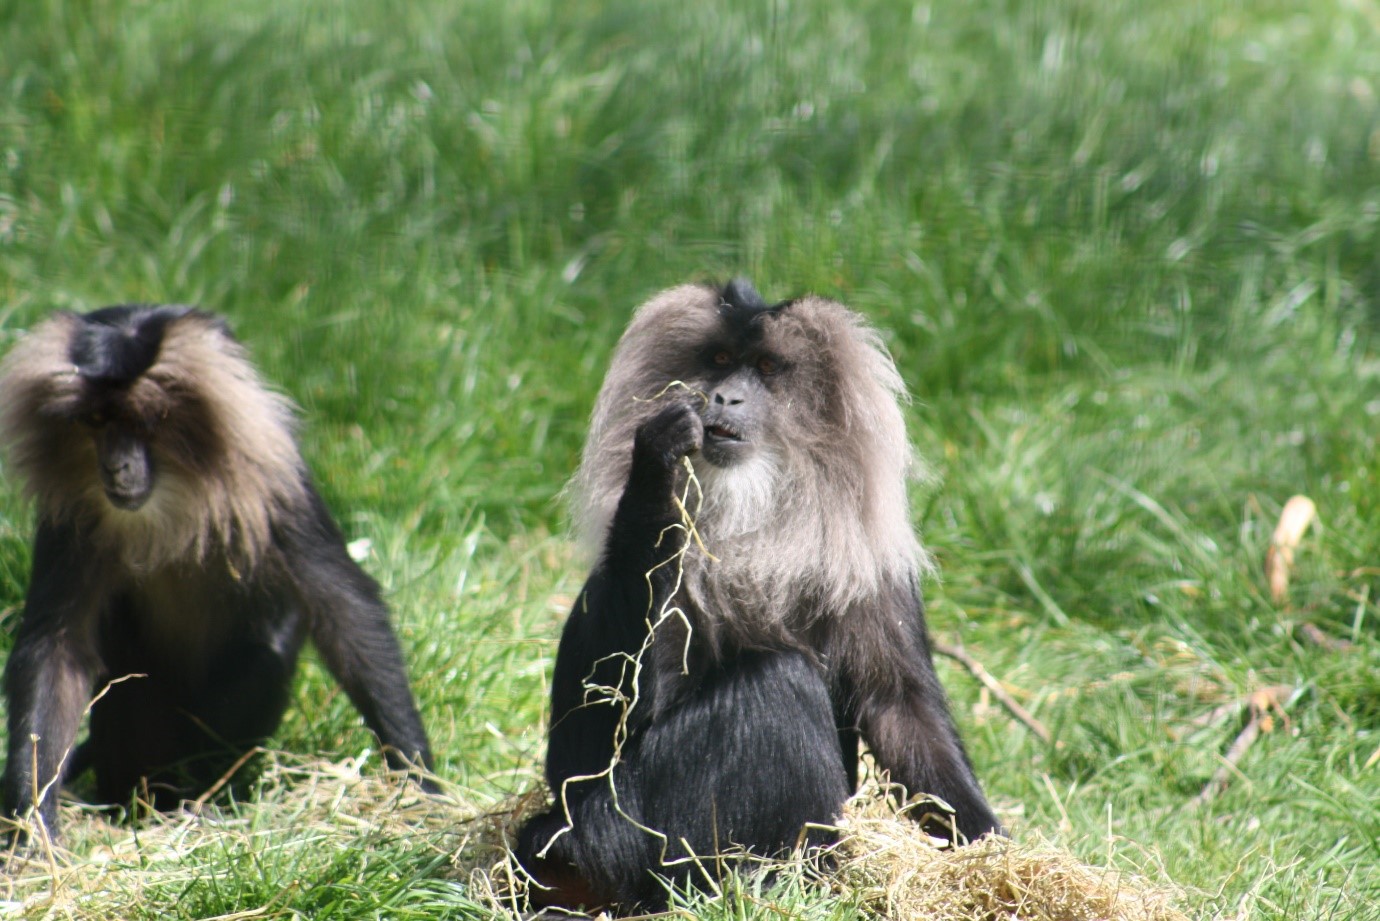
x: 754, y: 611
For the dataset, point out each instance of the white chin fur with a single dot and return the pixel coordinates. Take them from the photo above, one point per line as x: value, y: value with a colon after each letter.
x: 737, y: 499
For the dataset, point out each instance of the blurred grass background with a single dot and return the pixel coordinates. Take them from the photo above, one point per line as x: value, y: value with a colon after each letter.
x: 1127, y: 257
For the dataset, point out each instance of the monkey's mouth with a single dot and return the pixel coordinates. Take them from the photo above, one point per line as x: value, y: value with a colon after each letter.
x: 724, y: 443
x: 720, y: 432
x: 127, y: 490
x: 127, y: 500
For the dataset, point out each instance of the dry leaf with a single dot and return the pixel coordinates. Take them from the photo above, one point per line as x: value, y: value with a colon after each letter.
x: 1294, y: 520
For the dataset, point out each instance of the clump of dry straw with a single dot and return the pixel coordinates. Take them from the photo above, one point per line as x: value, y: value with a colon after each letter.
x: 898, y: 872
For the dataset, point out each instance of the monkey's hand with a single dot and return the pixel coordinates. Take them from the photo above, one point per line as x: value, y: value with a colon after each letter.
x: 648, y: 505
x: 671, y: 434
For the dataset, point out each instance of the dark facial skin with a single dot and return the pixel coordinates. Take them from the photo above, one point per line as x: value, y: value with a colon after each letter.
x: 126, y: 468
x: 738, y: 393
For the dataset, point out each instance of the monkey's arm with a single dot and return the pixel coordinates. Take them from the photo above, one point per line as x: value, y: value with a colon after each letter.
x: 902, y: 712
x: 350, y: 629
x: 49, y: 675
x: 627, y: 588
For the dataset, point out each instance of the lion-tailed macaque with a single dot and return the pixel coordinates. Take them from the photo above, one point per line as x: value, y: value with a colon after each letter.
x: 182, y: 558
x: 754, y: 610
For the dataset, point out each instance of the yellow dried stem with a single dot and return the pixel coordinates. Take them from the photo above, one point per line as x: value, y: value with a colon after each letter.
x: 1294, y: 520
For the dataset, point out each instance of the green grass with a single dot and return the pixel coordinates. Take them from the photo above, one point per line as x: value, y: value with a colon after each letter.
x: 1127, y: 256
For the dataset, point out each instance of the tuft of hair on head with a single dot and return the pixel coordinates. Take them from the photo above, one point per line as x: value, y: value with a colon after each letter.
x: 222, y: 443
x: 113, y: 346
x: 740, y: 302
x: 821, y: 518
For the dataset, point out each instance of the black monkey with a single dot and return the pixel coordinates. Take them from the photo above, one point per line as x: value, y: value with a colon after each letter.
x: 722, y: 663
x: 179, y: 539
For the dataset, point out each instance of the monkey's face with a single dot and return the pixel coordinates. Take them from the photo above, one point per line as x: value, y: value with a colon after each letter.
x: 123, y: 460
x: 736, y: 379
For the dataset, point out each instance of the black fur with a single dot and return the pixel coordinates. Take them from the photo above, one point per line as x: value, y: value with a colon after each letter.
x: 117, y: 344
x: 743, y: 307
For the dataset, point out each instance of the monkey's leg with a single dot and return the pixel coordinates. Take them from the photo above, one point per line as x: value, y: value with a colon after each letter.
x: 349, y: 626
x: 245, y: 695
x: 913, y: 738
x: 241, y: 705
x: 48, y: 688
x: 174, y: 739
x: 903, y: 715
x: 48, y: 678
x: 137, y: 735
x: 591, y: 860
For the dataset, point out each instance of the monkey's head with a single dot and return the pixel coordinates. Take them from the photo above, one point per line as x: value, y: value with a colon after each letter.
x: 804, y: 460
x: 149, y: 422
x: 733, y: 376
x: 110, y: 351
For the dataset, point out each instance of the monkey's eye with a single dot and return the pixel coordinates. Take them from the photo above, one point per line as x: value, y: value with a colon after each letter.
x: 723, y: 358
x: 94, y: 419
x: 767, y: 366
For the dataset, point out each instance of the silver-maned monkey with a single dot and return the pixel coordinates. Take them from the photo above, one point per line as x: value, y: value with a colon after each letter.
x: 713, y: 680
x: 179, y: 539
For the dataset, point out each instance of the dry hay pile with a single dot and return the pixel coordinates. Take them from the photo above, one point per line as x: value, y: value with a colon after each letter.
x: 900, y: 873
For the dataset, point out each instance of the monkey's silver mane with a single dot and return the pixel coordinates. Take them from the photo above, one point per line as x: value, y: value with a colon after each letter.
x: 225, y: 459
x: 818, y: 520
